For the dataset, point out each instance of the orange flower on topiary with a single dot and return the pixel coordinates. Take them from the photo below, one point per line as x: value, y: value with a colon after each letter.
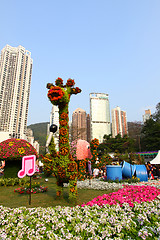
x: 63, y: 140
x: 63, y: 151
x: 63, y: 131
x: 64, y: 115
x: 63, y: 122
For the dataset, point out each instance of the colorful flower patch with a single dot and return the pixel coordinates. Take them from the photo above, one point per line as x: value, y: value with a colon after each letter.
x: 129, y: 194
x: 82, y: 223
x: 35, y: 188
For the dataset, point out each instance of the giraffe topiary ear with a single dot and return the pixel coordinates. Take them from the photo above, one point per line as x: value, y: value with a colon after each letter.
x: 49, y: 85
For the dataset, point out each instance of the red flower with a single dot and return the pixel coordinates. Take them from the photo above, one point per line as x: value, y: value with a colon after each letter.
x: 59, y: 82
x: 70, y: 82
x: 55, y: 93
x: 75, y: 90
x: 78, y: 90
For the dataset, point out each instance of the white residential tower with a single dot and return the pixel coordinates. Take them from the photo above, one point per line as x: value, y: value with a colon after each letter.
x: 15, y: 81
x: 119, y: 122
x: 99, y: 115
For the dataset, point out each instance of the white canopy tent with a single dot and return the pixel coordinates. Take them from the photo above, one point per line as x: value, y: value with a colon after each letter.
x: 156, y: 160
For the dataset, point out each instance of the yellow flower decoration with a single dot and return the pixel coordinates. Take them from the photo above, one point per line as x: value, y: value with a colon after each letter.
x: 21, y: 150
x: 27, y: 145
x: 72, y: 189
x: 11, y: 144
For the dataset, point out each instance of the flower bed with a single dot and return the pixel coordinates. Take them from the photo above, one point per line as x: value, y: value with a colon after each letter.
x: 129, y: 194
x: 132, y: 212
x: 35, y: 188
x: 108, y: 222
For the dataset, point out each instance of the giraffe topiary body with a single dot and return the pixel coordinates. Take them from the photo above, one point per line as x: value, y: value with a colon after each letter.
x: 64, y: 166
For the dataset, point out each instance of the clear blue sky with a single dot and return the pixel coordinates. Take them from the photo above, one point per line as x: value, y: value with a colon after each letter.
x: 108, y: 46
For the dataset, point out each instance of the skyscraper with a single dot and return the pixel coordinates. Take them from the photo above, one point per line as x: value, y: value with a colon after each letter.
x: 79, y: 124
x: 15, y: 81
x: 100, y: 115
x: 147, y: 115
x: 119, y: 122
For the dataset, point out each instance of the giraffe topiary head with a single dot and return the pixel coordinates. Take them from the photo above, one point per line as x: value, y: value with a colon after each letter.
x: 59, y: 94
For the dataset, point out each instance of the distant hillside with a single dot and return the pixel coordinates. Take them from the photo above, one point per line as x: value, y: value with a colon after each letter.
x: 39, y: 132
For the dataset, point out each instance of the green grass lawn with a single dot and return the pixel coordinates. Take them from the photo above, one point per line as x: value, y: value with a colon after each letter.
x: 9, y: 198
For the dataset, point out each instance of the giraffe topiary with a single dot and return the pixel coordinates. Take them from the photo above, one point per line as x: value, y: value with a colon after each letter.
x: 64, y: 166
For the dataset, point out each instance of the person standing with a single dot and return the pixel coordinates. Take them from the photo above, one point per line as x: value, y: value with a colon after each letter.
x: 150, y: 170
x: 2, y: 165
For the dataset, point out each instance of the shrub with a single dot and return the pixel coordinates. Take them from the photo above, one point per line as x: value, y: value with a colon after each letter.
x: 14, y: 181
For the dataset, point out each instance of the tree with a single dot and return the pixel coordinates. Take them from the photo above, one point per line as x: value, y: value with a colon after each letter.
x: 151, y: 135
x: 156, y: 115
x: 134, y: 132
x: 121, y: 144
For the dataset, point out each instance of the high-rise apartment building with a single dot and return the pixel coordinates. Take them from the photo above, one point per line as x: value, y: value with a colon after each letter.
x: 100, y: 115
x: 54, y: 119
x: 88, y: 128
x: 30, y: 139
x: 79, y: 124
x: 15, y: 81
x: 147, y: 115
x: 119, y: 122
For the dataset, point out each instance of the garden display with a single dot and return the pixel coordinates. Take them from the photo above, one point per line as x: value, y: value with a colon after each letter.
x: 64, y: 167
x: 36, y: 188
x: 83, y: 154
x: 97, y: 159
x: 128, y: 214
x: 12, y: 150
x: 81, y: 163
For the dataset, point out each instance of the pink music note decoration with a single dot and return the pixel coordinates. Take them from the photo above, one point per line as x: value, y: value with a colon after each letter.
x: 28, y: 166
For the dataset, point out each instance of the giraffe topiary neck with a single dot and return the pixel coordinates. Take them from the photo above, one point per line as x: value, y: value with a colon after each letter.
x: 64, y: 146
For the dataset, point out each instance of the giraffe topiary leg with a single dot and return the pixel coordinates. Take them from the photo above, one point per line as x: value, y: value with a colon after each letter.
x: 73, y: 190
x: 59, y: 189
